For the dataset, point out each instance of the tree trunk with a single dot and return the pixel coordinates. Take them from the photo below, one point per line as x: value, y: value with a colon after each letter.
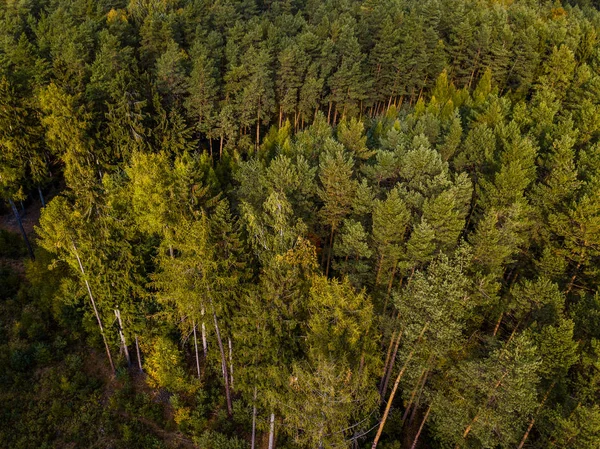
x: 532, y: 422
x: 137, y: 349
x: 21, y: 228
x: 223, y: 366
x: 498, y: 323
x: 280, y: 115
x: 253, y: 420
x: 389, y: 368
x: 196, y: 350
x: 420, y: 391
x: 390, y: 400
x: 387, y: 359
x: 230, y: 362
x: 272, y: 431
x: 42, y: 197
x: 476, y: 418
x: 393, y: 393
x: 328, y: 114
x: 221, y: 147
x: 414, y: 445
x: 390, y: 102
x: 122, y: 336
x: 203, y: 328
x: 475, y: 66
x: 412, y: 396
x: 257, y: 128
x: 87, y: 284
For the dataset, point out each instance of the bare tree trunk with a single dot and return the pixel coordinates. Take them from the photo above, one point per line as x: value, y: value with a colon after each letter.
x: 253, y: 420
x: 572, y: 281
x: 498, y: 324
x: 223, y: 366
x: 532, y: 422
x: 328, y: 114
x: 21, y: 228
x: 203, y: 328
x: 87, y: 284
x: 389, y: 368
x: 139, y: 357
x: 42, y: 197
x: 414, y: 445
x: 221, y: 147
x: 230, y: 362
x: 272, y: 431
x: 196, y: 350
x: 420, y: 391
x: 412, y: 396
x: 122, y: 336
x: 280, y: 115
x: 387, y: 359
x: 393, y: 393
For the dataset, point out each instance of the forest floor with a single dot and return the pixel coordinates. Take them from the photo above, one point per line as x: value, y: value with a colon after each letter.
x: 30, y: 218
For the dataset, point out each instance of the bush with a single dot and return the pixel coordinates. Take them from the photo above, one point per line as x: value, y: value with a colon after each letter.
x: 215, y: 440
x: 9, y: 280
x: 12, y: 245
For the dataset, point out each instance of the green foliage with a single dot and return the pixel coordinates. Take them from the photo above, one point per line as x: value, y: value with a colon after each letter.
x: 280, y: 207
x: 11, y: 245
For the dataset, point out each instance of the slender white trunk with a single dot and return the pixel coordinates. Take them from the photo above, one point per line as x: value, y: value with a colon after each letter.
x: 272, y: 432
x: 122, y: 336
x: 204, y: 342
x: 137, y: 348
x: 196, y: 350
x: 87, y: 284
x: 230, y: 362
x: 223, y: 366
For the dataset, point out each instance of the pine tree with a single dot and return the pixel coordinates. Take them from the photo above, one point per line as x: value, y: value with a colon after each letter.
x: 203, y: 92
x: 330, y: 393
x: 499, y: 392
x: 337, y: 190
x: 390, y: 221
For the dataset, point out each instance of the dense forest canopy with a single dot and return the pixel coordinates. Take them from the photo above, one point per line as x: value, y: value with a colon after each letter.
x: 300, y: 224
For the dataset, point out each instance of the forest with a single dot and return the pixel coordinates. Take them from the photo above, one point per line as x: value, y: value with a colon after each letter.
x: 286, y: 224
